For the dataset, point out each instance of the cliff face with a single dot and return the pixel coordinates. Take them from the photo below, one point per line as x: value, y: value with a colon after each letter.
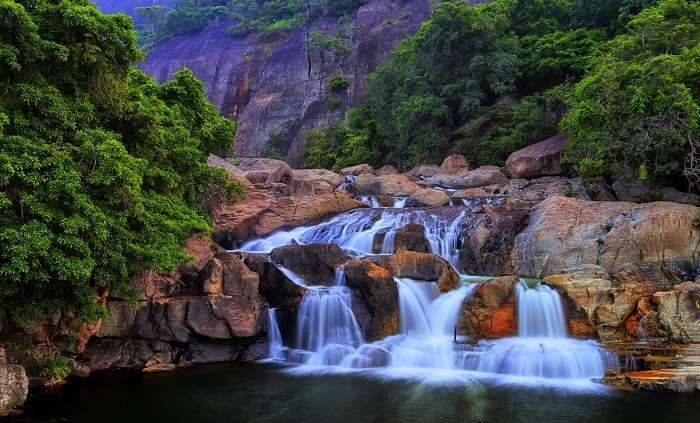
x: 278, y: 89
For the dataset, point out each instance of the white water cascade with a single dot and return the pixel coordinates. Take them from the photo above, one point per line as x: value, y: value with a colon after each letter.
x: 542, y: 348
x: 274, y: 337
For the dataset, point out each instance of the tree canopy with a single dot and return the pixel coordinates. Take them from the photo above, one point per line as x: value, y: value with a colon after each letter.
x: 102, y: 170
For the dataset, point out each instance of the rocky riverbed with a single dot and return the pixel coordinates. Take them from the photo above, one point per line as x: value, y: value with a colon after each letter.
x: 625, y: 271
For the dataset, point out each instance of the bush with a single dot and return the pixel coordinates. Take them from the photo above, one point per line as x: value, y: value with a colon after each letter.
x: 338, y: 83
x: 54, y: 369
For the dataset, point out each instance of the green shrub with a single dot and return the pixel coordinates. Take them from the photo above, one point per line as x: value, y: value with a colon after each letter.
x: 54, y: 369
x: 338, y: 83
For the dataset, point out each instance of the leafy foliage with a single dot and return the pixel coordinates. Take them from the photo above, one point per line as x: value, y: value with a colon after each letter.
x: 102, y: 170
x: 55, y: 368
x: 639, y: 106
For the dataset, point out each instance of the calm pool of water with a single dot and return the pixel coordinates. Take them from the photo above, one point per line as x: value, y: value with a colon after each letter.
x: 264, y: 393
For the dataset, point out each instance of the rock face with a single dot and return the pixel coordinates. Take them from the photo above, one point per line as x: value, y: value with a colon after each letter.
x: 565, y: 232
x: 360, y: 169
x: 423, y: 171
x: 223, y: 319
x: 14, y: 384
x: 488, y: 239
x: 423, y: 266
x: 679, y: 311
x: 386, y: 170
x: 315, y: 263
x: 377, y: 310
x: 394, y: 185
x: 258, y: 217
x: 537, y: 160
x: 454, y: 164
x: 280, y: 87
x: 490, y: 312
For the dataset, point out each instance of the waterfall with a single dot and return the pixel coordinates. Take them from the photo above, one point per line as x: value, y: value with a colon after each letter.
x: 541, y: 348
x: 414, y: 303
x: 399, y: 202
x: 540, y: 313
x: 274, y: 336
x: 371, y: 201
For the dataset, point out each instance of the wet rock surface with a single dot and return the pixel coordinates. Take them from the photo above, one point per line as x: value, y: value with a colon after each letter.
x: 490, y: 312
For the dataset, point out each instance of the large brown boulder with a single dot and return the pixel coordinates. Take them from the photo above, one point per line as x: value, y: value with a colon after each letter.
x: 375, y: 299
x: 539, y: 159
x: 565, y: 232
x: 429, y: 197
x: 423, y: 266
x: 490, y: 311
x: 423, y: 171
x: 386, y: 170
x: 14, y: 384
x: 453, y: 164
x: 279, y: 291
x: 260, y: 217
x: 315, y: 263
x: 360, y: 169
x: 394, y: 185
x: 480, y: 177
x: 315, y: 181
x: 265, y: 171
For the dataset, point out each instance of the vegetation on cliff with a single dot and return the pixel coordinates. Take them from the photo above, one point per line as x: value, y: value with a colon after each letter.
x: 102, y: 170
x: 489, y: 79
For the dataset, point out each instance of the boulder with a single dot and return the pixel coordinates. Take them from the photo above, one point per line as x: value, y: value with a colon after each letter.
x: 423, y: 171
x: 480, y: 177
x: 233, y: 173
x: 315, y: 263
x: 679, y: 312
x: 565, y: 232
x: 423, y: 266
x: 260, y: 217
x: 320, y: 180
x: 360, y: 169
x: 537, y: 160
x: 429, y: 197
x: 596, y: 305
x: 265, y: 171
x: 14, y: 384
x: 375, y: 299
x: 490, y: 311
x: 453, y: 164
x: 119, y: 321
x: 279, y: 291
x: 488, y: 238
x: 393, y: 185
x: 386, y: 170
x: 410, y: 237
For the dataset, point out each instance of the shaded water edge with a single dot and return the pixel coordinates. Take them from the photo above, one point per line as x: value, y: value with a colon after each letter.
x: 255, y: 392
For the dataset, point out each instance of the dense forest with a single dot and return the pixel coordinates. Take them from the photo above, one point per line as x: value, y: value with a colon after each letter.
x: 267, y: 17
x: 102, y: 170
x: 618, y: 78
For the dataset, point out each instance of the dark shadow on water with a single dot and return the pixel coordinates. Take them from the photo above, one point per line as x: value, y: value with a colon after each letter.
x: 260, y: 393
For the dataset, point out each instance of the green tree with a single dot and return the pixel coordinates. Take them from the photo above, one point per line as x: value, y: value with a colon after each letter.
x: 103, y: 171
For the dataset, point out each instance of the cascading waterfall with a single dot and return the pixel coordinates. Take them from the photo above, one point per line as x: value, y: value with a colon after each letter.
x: 371, y: 201
x: 399, y: 202
x: 274, y: 336
x: 356, y: 230
x: 541, y: 348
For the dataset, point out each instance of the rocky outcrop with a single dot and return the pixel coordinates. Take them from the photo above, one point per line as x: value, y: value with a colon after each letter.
x: 565, y: 232
x: 429, y: 197
x: 480, y: 177
x: 315, y: 263
x: 386, y: 170
x: 423, y: 266
x: 453, y: 164
x: 14, y: 385
x: 378, y: 295
x: 278, y: 88
x: 393, y: 185
x: 356, y: 170
x: 423, y: 171
x: 490, y: 311
x: 259, y: 217
x: 537, y: 160
x: 488, y: 238
x: 679, y: 312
